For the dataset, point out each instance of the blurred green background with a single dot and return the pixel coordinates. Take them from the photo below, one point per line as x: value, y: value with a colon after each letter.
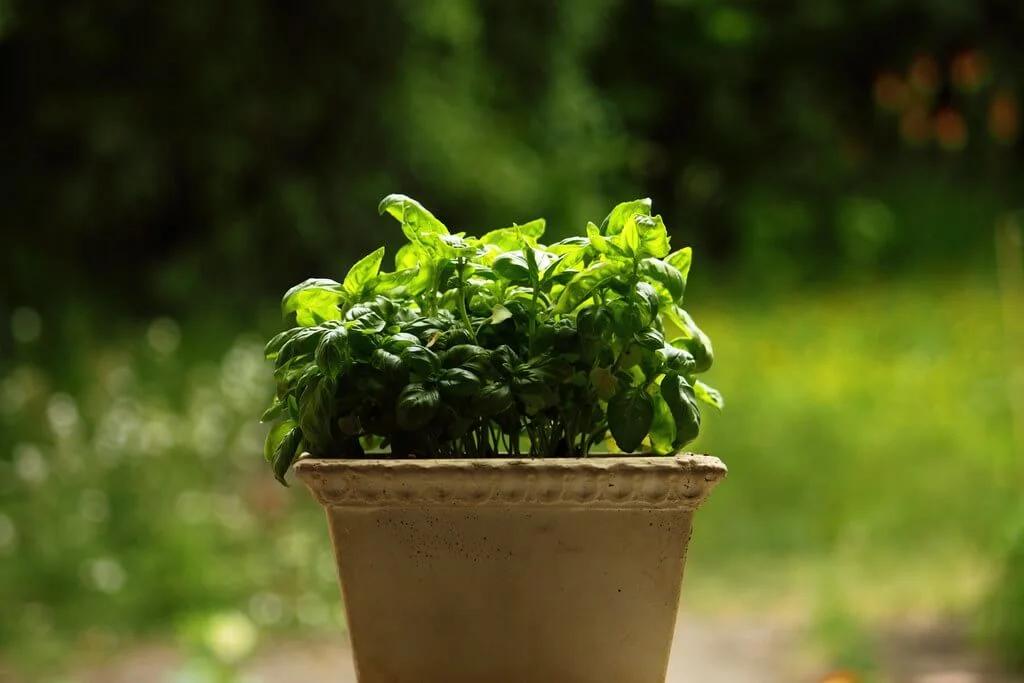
x: 840, y: 169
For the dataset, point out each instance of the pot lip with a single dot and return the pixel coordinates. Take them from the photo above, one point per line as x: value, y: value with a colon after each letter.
x: 694, y: 463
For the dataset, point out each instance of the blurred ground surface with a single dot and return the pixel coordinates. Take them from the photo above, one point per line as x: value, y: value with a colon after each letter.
x: 706, y: 650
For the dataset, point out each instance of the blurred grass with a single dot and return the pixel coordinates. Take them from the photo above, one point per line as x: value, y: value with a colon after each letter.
x: 866, y: 430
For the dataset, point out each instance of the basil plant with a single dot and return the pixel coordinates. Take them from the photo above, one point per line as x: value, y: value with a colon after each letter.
x: 476, y: 347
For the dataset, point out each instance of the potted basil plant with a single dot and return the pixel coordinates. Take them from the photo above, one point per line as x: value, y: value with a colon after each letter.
x: 450, y: 415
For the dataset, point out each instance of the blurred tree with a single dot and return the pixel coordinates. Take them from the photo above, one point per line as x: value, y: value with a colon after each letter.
x: 155, y: 153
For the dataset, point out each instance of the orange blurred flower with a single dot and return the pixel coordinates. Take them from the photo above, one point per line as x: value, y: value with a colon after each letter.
x: 915, y: 127
x: 924, y: 74
x: 891, y: 92
x: 839, y: 677
x: 951, y: 130
x: 1004, y: 118
x: 969, y: 70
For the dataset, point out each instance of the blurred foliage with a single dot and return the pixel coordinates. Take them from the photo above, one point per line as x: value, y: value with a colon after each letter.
x: 159, y: 151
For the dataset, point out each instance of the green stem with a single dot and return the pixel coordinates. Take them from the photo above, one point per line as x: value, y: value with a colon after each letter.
x: 462, y: 302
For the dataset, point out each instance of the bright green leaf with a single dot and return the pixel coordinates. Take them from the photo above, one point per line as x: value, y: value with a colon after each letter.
x: 654, y: 239
x: 680, y: 260
x: 416, y: 221
x: 585, y: 282
x: 708, y: 395
x: 363, y: 272
x: 313, y: 299
x: 615, y: 221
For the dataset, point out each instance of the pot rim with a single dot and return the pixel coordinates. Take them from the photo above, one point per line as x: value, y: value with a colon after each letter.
x: 615, y: 481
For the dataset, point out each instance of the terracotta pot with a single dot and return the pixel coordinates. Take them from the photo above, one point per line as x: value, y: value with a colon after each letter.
x: 511, y: 570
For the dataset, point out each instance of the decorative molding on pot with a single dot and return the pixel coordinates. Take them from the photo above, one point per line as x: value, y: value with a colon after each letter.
x: 655, y: 482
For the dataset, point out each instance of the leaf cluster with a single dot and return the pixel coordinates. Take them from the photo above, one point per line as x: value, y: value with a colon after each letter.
x: 497, y: 344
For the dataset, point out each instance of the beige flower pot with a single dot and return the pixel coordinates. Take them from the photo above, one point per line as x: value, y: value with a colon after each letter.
x: 511, y: 570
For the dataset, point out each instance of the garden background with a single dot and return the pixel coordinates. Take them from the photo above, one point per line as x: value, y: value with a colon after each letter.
x: 847, y: 173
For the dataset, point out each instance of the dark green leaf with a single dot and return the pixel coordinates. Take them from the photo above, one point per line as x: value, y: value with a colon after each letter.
x: 692, y: 338
x: 417, y: 405
x: 458, y: 383
x: 275, y: 411
x: 677, y: 360
x: 512, y: 266
x: 421, y: 360
x: 273, y: 346
x: 594, y: 322
x: 363, y: 272
x: 464, y: 354
x: 650, y: 339
x: 493, y: 399
x: 285, y: 453
x: 664, y: 274
x: 647, y: 299
x: 315, y: 415
x: 401, y: 340
x: 368, y: 323
x: 385, y: 361
x: 630, y: 416
x: 313, y: 301
x: 679, y: 396
x: 330, y: 352
x: 275, y: 436
x: 585, y: 282
x: 614, y: 223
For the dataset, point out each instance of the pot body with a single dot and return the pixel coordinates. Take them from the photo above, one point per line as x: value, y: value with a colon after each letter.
x: 511, y: 570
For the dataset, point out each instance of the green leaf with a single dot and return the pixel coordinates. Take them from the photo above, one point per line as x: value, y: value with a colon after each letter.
x: 664, y: 274
x: 462, y: 355
x: 274, y: 412
x: 615, y: 221
x: 363, y: 272
x: 585, y: 282
x: 499, y: 314
x: 458, y: 383
x: 653, y: 236
x: 663, y: 429
x: 315, y: 414
x: 602, y: 244
x: 417, y: 405
x: 512, y: 266
x: 385, y: 361
x: 708, y: 395
x: 647, y: 304
x: 275, y: 436
x: 682, y: 401
x: 314, y: 301
x: 677, y: 360
x: 629, y: 238
x: 493, y: 399
x: 680, y: 260
x: 515, y: 237
x: 630, y: 416
x: 650, y: 339
x: 692, y: 338
x: 367, y: 323
x: 398, y: 283
x: 594, y: 322
x: 330, y: 352
x: 285, y: 453
x: 421, y: 360
x: 417, y: 222
x: 401, y: 340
